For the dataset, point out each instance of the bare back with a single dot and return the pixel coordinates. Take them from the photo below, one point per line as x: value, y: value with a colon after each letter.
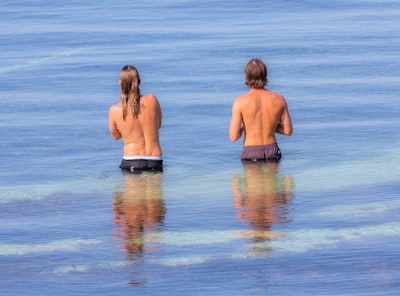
x: 260, y: 114
x: 140, y: 135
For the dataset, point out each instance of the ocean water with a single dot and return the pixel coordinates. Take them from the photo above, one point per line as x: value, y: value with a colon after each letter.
x: 324, y: 221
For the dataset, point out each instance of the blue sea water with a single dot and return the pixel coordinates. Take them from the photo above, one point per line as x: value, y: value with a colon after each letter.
x: 325, y: 221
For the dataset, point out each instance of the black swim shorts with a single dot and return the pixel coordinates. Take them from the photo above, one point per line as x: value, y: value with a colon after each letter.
x: 138, y: 166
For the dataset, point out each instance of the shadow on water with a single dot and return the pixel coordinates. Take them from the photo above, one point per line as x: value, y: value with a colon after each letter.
x: 262, y: 198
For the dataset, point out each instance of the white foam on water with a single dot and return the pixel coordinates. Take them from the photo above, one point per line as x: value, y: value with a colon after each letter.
x: 317, y: 239
x: 190, y: 238
x: 31, y: 192
x: 358, y: 210
x: 87, y: 267
x: 375, y: 170
x: 184, y: 261
x: 41, y: 61
x: 111, y: 265
x: 75, y: 268
x: 36, y: 192
x: 65, y: 245
x: 299, y: 241
x: 294, y: 241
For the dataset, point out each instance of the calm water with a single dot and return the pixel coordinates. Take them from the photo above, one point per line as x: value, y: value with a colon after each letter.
x: 325, y: 221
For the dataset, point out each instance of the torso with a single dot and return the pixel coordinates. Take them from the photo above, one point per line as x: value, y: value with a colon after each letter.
x: 261, y: 113
x: 140, y: 135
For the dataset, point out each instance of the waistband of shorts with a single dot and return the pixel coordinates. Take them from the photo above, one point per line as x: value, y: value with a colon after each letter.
x: 141, y: 157
x: 261, y: 146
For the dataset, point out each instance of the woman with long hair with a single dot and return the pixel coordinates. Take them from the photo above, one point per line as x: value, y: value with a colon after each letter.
x: 136, y: 119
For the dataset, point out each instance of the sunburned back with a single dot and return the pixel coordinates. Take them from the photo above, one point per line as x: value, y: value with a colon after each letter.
x: 140, y: 135
x: 261, y: 113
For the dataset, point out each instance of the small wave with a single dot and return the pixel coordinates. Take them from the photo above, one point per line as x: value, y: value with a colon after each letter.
x: 58, y: 245
x: 40, y: 61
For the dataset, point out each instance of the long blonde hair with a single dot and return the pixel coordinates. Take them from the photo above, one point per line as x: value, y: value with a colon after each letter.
x: 130, y: 92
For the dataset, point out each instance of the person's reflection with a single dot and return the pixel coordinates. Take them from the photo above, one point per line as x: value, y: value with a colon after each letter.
x: 138, y: 210
x: 261, y: 199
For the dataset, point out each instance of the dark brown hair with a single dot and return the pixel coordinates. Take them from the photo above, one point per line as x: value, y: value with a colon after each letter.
x: 130, y: 91
x: 256, y: 74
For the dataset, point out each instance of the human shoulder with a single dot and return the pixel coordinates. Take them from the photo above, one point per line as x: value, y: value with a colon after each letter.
x: 149, y: 98
x: 273, y: 93
x: 241, y: 99
x: 277, y: 97
x: 116, y: 107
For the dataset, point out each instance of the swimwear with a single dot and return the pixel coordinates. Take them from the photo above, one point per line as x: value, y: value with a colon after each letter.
x: 138, y: 163
x: 269, y: 152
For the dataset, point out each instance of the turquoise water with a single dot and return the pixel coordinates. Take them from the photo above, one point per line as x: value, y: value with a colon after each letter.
x: 323, y: 222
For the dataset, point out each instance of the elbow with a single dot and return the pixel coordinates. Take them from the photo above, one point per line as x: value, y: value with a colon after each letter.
x: 233, y: 138
x: 116, y: 136
x: 290, y: 130
x: 286, y: 130
x: 234, y: 134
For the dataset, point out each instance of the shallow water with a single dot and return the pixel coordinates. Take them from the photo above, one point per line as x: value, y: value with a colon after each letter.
x: 323, y: 222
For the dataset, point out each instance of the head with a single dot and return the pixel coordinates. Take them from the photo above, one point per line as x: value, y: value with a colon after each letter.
x: 129, y: 81
x: 256, y: 74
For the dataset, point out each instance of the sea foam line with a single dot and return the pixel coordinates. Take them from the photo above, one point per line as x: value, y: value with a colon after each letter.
x: 36, y: 192
x: 293, y: 242
x: 40, y: 61
x: 359, y: 209
x: 317, y: 239
x: 54, y: 246
x: 380, y: 169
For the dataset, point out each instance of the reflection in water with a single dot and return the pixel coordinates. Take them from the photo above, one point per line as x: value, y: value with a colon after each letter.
x: 138, y: 211
x: 262, y: 198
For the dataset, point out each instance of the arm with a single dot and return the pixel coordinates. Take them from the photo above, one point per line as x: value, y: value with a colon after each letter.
x: 284, y: 126
x: 236, y: 124
x: 112, y: 125
x: 159, y: 111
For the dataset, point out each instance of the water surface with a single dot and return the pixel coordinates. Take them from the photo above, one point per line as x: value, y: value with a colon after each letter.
x: 322, y: 222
